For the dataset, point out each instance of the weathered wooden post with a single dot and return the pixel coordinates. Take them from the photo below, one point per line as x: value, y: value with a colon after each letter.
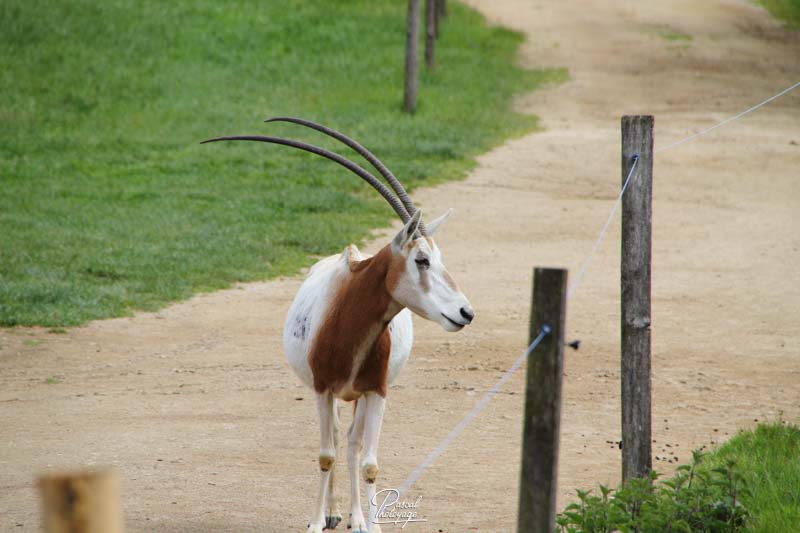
x: 540, y: 433
x: 637, y: 214
x: 412, y: 45
x: 439, y: 13
x: 81, y: 502
x: 430, y: 33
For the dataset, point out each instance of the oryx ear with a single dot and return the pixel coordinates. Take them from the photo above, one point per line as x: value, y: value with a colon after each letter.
x: 407, y: 233
x: 431, y: 227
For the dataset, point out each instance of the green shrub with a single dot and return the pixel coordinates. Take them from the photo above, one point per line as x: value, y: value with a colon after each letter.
x: 750, y: 483
x: 695, y: 499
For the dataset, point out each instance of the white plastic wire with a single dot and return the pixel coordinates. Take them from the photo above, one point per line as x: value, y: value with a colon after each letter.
x: 456, y: 431
x: 727, y: 120
x: 585, y: 264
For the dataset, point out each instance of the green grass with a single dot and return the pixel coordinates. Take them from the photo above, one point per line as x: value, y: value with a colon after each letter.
x: 674, y: 35
x: 786, y: 10
x: 769, y: 460
x: 108, y: 204
x: 668, y: 33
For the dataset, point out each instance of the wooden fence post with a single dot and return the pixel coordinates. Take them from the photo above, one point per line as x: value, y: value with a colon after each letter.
x: 540, y: 434
x: 637, y: 214
x: 430, y: 32
x: 437, y: 17
x: 412, y: 45
x: 81, y: 502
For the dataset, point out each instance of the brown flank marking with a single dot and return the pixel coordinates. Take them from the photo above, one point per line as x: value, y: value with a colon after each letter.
x: 358, y: 310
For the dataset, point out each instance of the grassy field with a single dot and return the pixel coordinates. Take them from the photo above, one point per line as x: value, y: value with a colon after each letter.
x: 788, y: 10
x: 108, y: 204
x: 769, y: 459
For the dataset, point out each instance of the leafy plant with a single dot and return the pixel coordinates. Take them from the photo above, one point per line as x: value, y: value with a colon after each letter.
x: 695, y: 499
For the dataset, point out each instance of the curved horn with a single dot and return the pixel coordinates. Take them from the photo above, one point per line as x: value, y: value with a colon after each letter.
x: 346, y: 163
x: 366, y: 154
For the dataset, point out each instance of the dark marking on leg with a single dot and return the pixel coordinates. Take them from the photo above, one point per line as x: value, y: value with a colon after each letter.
x: 332, y: 521
x: 326, y: 462
x: 370, y: 473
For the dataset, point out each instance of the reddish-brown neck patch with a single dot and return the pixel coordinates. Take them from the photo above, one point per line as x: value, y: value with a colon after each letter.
x: 355, y: 330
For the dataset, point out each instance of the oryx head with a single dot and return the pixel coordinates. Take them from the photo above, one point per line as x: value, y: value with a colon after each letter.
x: 419, y: 279
x: 424, y: 285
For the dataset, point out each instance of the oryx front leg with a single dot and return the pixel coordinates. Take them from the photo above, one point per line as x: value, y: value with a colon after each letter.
x: 354, y: 438
x: 327, y: 459
x: 332, y: 514
x: 373, y: 419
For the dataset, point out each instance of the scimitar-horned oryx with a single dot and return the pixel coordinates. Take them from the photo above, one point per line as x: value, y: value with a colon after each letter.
x: 348, y: 332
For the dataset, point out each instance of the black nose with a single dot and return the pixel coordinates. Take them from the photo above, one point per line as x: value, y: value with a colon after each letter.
x: 468, y: 314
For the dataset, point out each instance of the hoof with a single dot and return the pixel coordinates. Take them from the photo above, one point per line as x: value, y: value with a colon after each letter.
x: 332, y: 521
x: 314, y: 529
x: 357, y: 526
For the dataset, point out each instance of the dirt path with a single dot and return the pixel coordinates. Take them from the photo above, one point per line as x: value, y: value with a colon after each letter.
x: 196, y: 408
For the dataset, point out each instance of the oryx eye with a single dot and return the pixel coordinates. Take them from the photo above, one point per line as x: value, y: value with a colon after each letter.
x: 422, y: 262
